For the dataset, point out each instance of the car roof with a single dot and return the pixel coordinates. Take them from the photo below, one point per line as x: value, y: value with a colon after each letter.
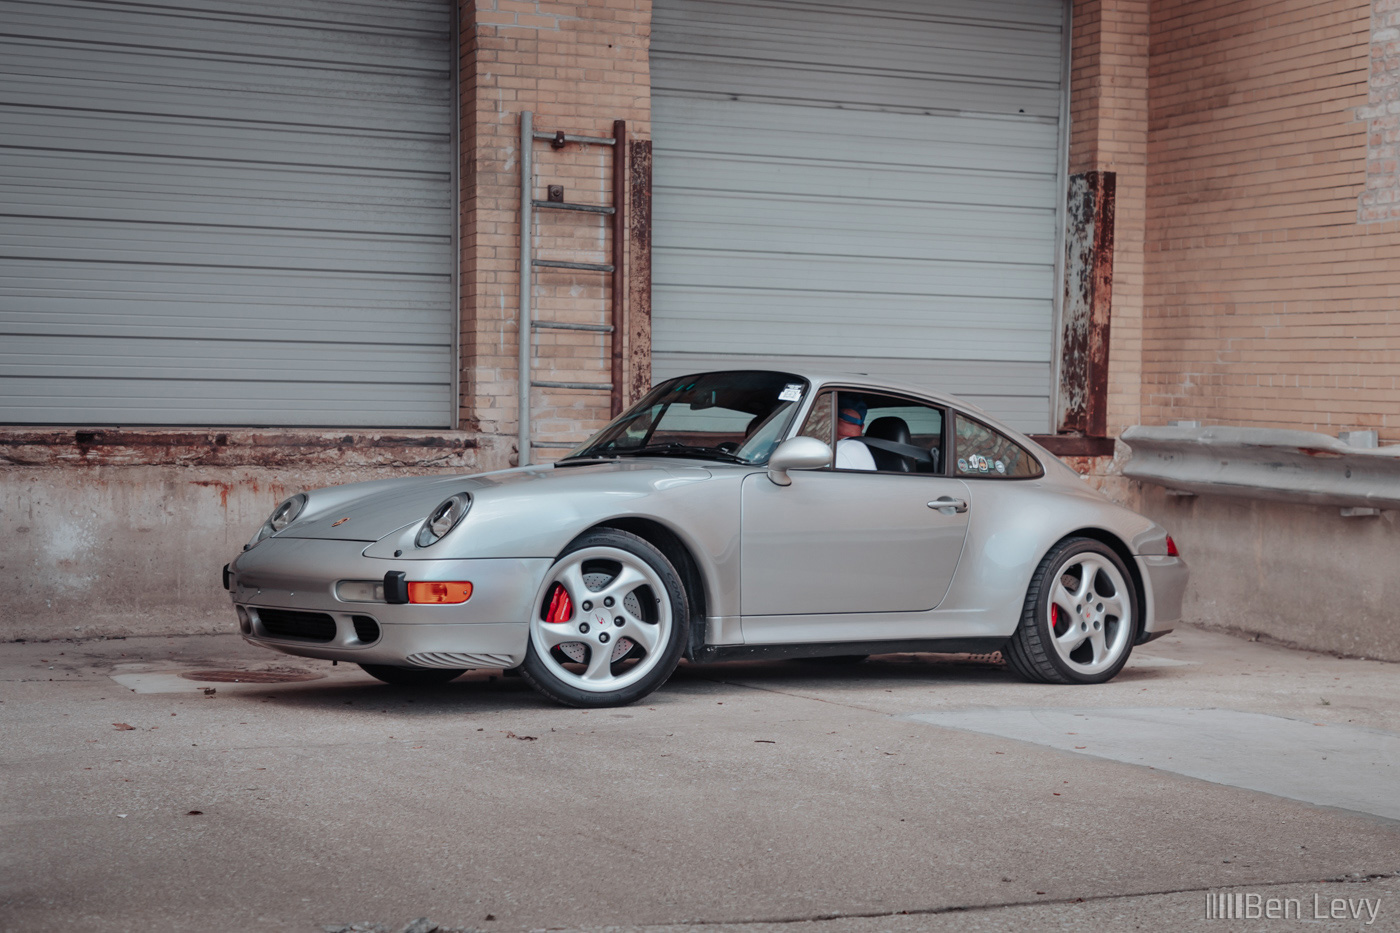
x: 863, y: 380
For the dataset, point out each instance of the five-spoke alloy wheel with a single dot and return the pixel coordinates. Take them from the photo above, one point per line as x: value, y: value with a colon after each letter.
x: 1080, y: 616
x: 610, y: 624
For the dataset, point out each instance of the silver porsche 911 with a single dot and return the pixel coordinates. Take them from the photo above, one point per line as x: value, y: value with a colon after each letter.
x: 745, y: 514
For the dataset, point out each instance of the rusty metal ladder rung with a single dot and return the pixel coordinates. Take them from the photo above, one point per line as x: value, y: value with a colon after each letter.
x: 565, y: 206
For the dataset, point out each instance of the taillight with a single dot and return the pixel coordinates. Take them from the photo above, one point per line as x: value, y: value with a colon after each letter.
x: 1171, y: 548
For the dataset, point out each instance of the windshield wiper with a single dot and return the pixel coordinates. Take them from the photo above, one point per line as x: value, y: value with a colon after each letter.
x: 683, y: 450
x: 585, y: 459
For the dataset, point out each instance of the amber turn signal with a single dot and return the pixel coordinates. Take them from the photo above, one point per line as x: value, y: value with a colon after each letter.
x: 458, y: 592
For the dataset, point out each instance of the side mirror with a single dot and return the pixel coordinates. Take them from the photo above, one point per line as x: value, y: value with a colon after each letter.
x: 797, y: 453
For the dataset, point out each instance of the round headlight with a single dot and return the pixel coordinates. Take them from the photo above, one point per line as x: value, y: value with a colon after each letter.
x: 444, y: 518
x: 287, y: 512
x: 282, y: 516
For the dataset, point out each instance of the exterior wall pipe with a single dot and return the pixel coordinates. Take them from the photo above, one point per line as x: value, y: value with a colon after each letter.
x: 619, y: 281
x: 527, y: 177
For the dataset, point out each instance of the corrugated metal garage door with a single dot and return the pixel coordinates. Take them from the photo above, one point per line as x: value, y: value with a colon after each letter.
x: 224, y: 212
x: 867, y: 188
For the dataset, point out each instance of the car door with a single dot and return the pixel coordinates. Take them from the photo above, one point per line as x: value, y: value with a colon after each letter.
x: 853, y: 541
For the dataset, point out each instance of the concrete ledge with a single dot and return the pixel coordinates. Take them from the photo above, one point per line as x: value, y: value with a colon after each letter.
x: 1264, y: 463
x: 1075, y: 445
x: 236, y: 447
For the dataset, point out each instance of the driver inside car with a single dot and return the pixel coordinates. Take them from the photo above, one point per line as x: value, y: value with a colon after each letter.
x: 850, y: 422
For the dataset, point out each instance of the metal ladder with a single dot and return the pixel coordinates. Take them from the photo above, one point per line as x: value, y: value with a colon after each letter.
x: 615, y: 212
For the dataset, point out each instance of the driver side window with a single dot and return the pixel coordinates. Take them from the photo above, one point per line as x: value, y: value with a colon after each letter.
x: 881, y: 433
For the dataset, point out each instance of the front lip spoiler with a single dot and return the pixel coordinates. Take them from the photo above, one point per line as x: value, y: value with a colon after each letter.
x: 405, y: 644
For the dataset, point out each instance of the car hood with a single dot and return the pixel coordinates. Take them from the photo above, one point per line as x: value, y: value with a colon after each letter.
x: 370, y: 511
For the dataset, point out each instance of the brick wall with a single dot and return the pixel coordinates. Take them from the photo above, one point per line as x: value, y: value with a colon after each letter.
x: 577, y: 67
x: 1108, y: 132
x: 1267, y: 302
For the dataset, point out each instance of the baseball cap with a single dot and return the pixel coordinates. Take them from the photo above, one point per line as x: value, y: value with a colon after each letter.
x: 857, y: 406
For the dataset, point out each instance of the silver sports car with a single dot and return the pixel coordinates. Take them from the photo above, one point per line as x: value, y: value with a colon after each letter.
x: 745, y: 514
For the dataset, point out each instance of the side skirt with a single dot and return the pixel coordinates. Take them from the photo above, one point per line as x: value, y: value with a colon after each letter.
x: 712, y: 653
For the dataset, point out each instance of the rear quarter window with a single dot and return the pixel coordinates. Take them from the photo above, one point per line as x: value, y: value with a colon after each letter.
x: 987, y: 454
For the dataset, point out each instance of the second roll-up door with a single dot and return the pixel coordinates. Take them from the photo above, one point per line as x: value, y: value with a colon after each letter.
x: 861, y: 188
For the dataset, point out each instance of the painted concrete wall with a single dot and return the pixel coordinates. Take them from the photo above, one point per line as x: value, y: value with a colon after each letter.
x: 1299, y: 574
x: 94, y: 541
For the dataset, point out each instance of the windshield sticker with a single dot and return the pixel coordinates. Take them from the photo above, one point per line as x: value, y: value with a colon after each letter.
x: 962, y: 465
x: 1001, y: 467
x: 792, y: 392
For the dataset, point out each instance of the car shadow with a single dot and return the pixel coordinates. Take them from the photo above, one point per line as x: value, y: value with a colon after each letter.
x: 490, y: 691
x: 476, y: 691
x: 888, y: 670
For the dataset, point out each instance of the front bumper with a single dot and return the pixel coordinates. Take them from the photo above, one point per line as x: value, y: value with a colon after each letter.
x: 295, y: 579
x: 1164, y: 585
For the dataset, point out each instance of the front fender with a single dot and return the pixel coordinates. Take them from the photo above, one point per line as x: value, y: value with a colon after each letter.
x: 538, y: 520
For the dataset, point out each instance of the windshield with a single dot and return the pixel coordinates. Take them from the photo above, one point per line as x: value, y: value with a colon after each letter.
x: 737, y: 416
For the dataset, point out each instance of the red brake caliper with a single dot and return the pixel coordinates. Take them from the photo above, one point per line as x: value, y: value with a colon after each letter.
x: 561, y: 608
x: 1054, y: 616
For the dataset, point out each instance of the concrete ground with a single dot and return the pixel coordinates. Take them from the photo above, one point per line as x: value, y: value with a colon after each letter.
x: 907, y: 793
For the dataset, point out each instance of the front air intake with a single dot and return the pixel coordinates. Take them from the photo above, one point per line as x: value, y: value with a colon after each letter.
x: 366, y: 629
x: 306, y: 626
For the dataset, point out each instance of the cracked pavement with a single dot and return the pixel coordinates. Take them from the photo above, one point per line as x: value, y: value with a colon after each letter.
x: 749, y: 796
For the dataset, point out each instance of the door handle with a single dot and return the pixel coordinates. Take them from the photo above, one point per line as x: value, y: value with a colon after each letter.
x: 948, y: 505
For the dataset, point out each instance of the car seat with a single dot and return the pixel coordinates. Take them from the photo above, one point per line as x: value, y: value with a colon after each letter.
x: 890, y: 428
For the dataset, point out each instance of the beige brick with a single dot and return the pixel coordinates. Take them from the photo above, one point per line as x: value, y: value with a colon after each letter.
x: 1265, y: 302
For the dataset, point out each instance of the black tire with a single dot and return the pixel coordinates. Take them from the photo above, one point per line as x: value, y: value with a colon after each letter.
x: 412, y: 676
x: 544, y: 673
x: 1031, y: 651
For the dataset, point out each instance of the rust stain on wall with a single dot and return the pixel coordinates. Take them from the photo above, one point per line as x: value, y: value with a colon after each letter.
x: 236, y: 448
x: 639, y: 270
x: 224, y: 489
x: 1088, y: 302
